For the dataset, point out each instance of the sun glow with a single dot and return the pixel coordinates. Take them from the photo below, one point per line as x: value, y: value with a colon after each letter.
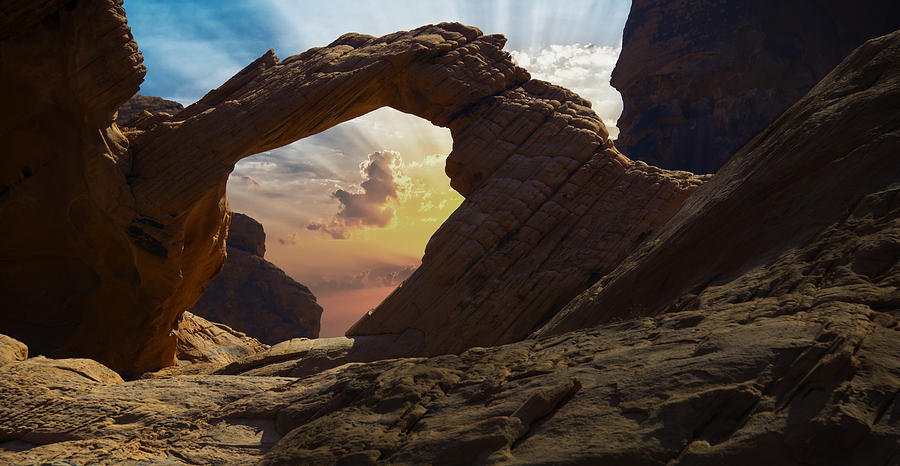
x: 291, y: 189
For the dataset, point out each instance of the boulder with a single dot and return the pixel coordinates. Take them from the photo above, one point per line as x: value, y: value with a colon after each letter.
x: 700, y: 78
x: 202, y: 341
x: 246, y: 234
x: 12, y: 350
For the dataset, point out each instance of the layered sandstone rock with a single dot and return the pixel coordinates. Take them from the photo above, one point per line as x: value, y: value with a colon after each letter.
x: 807, y: 214
x: 139, y: 104
x: 253, y: 295
x: 115, y: 237
x: 12, y: 350
x: 734, y: 386
x: 700, y: 78
x: 71, y: 275
x: 202, y: 341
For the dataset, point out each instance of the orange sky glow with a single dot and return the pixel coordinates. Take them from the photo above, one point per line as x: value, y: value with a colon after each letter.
x: 350, y: 276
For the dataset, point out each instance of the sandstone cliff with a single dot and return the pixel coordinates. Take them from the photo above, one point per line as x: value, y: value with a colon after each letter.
x: 700, y: 78
x: 253, y: 295
x: 116, y: 236
x: 805, y: 215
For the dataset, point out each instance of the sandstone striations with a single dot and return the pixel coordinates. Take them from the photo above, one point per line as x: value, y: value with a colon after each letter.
x: 253, y: 295
x: 724, y: 387
x: 700, y: 78
x: 202, y: 341
x: 805, y: 214
x: 115, y: 222
x: 139, y: 104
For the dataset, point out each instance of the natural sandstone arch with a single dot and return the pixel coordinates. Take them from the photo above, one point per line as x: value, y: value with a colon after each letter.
x: 550, y: 204
x: 533, y: 160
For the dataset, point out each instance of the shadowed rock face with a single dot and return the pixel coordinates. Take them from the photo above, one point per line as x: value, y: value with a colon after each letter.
x: 807, y: 213
x: 253, y: 295
x: 139, y: 104
x: 113, y: 243
x: 700, y: 78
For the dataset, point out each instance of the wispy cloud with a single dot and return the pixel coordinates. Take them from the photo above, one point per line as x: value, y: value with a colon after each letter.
x: 376, y: 277
x: 584, y: 69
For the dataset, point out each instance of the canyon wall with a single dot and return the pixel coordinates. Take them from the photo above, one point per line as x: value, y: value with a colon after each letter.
x: 700, y: 78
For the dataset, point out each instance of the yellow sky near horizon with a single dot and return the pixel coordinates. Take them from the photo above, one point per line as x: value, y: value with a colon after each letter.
x: 351, y: 275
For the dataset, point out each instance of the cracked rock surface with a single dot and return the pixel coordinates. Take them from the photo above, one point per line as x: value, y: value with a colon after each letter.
x: 735, y: 386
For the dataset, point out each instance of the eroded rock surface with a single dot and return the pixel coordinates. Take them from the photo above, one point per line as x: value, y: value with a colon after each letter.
x: 253, y: 295
x: 12, y: 350
x: 78, y: 409
x: 107, y: 221
x: 700, y: 78
x: 735, y: 386
x: 202, y: 341
x: 807, y: 213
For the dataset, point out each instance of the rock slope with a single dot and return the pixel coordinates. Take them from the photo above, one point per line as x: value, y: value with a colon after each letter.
x: 805, y: 214
x: 700, y: 78
x: 253, y: 295
x: 107, y: 221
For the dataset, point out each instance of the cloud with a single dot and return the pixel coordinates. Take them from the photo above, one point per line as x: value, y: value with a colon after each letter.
x: 288, y: 240
x: 584, y: 69
x: 371, y: 204
x: 379, y: 276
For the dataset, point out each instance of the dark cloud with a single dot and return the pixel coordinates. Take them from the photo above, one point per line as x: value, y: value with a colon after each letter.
x: 289, y: 240
x: 377, y: 277
x: 368, y: 206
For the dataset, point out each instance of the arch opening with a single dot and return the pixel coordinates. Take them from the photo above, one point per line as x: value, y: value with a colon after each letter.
x: 348, y: 211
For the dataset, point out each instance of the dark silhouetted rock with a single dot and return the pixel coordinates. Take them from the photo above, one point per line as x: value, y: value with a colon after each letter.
x: 246, y: 234
x: 699, y: 78
x: 139, y: 104
x: 253, y: 295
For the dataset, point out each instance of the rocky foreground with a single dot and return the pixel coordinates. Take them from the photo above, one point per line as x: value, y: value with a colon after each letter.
x: 756, y: 322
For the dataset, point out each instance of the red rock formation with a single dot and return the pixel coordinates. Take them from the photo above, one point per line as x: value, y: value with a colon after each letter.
x: 129, y: 231
x: 253, y: 295
x: 699, y: 78
x: 758, y: 236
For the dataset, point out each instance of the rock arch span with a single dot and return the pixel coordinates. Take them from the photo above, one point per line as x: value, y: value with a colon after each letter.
x: 550, y: 205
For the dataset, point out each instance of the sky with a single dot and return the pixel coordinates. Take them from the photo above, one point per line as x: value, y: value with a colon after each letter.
x: 348, y: 211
